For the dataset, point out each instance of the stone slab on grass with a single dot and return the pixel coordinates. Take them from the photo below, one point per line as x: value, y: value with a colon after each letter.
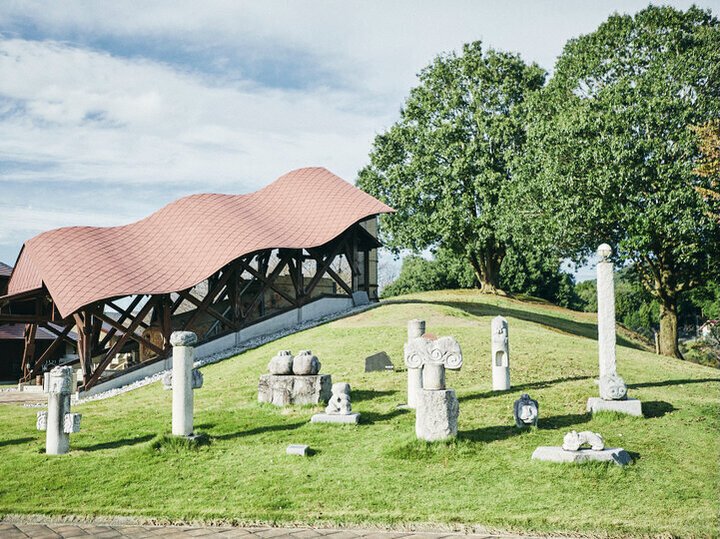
x: 300, y: 450
x: 378, y: 362
x: 557, y: 454
x: 352, y: 418
x: 628, y: 406
x: 283, y: 390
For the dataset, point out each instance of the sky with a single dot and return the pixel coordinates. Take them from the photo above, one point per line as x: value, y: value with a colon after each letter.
x: 110, y: 110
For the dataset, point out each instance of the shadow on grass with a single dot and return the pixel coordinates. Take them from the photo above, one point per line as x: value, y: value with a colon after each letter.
x: 523, y: 387
x: 657, y: 408
x: 672, y: 383
x: 258, y: 430
x: 204, y: 426
x: 563, y: 421
x: 634, y: 456
x: 369, y: 418
x: 490, y: 434
x: 582, y: 329
x: 16, y: 441
x: 116, y: 443
x: 369, y: 394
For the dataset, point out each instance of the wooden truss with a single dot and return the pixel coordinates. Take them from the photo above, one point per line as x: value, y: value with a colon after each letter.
x: 234, y: 299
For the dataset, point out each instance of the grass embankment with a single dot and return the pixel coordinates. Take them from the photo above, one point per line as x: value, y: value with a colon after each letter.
x: 377, y: 473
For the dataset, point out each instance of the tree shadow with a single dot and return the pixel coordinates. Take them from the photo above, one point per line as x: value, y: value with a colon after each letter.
x: 563, y: 421
x: 369, y: 418
x: 358, y: 395
x: 490, y: 434
x: 582, y: 329
x: 16, y: 441
x: 672, y: 383
x: 114, y: 444
x: 523, y: 387
x: 258, y: 430
x: 657, y: 408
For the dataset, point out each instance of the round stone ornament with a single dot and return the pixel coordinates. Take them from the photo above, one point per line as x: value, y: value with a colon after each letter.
x: 305, y: 364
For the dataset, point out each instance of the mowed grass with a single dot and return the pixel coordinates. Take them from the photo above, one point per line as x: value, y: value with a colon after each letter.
x: 124, y: 463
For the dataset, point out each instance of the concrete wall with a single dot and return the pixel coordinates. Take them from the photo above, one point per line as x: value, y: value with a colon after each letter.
x: 307, y: 313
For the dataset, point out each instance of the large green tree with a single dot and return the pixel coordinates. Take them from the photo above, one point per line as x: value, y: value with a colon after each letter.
x: 612, y: 152
x: 444, y: 165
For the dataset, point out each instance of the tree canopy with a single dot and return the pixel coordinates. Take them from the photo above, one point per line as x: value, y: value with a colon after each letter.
x: 445, y: 164
x: 611, y: 153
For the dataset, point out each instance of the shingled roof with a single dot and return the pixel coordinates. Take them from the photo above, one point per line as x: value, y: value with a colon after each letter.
x: 5, y: 270
x: 188, y: 240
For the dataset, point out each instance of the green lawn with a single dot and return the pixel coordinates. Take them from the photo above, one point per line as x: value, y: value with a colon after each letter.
x: 377, y: 473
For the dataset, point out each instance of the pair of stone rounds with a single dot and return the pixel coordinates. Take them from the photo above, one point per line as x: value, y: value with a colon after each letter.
x: 303, y: 364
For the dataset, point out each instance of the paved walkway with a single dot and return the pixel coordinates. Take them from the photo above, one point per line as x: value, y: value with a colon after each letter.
x: 15, y: 396
x: 63, y: 529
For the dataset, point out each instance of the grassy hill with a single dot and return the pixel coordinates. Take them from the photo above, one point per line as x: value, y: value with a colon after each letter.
x: 377, y: 473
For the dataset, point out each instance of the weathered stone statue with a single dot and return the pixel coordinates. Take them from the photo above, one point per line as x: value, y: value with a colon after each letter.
x: 574, y: 440
x: 183, y: 343
x: 305, y: 364
x: 282, y: 363
x: 438, y: 407
x: 415, y: 329
x: 338, y: 409
x: 526, y: 411
x: 613, y: 390
x: 57, y: 419
x: 500, y: 354
x: 197, y: 380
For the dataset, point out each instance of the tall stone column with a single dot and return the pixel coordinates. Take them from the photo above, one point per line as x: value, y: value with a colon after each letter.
x: 500, y: 347
x: 415, y: 329
x: 183, y: 343
x: 606, y: 312
x: 57, y: 420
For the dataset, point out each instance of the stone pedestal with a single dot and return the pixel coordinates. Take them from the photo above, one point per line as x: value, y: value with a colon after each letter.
x: 437, y: 415
x: 291, y: 389
x: 627, y: 406
x: 351, y: 418
x: 183, y: 343
x: 557, y: 454
x: 500, y: 354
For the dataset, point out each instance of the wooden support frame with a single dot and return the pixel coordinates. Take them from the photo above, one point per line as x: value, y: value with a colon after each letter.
x: 29, y: 348
x: 61, y: 337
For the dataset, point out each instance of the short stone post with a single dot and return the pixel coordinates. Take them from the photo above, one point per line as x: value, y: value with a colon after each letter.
x: 438, y: 408
x: 57, y: 420
x: 415, y: 329
x: 500, y: 354
x: 183, y: 343
x: 613, y: 390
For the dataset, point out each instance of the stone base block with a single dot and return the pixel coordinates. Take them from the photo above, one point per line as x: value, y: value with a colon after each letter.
x: 300, y: 450
x: 557, y: 454
x: 353, y: 417
x: 437, y: 415
x: 628, y: 406
x: 289, y: 389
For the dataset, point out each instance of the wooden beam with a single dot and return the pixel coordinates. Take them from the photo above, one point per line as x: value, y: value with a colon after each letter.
x: 123, y: 316
x: 29, y: 349
x: 323, y: 265
x: 268, y: 282
x: 134, y: 336
x: 209, y: 310
x: 271, y: 278
x: 23, y: 319
x: 339, y: 281
x: 128, y: 333
x: 57, y: 332
x: 48, y: 353
x: 207, y: 300
x: 127, y: 313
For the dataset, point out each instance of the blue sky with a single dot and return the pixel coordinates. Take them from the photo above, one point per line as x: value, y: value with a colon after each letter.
x: 109, y: 111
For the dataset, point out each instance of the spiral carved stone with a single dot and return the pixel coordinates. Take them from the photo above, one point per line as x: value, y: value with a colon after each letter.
x: 444, y: 351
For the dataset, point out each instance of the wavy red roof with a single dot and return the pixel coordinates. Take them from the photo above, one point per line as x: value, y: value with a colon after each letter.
x: 188, y: 240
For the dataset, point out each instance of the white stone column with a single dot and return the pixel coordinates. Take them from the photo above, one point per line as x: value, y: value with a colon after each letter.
x: 183, y: 343
x: 58, y: 421
x: 500, y: 347
x: 415, y: 329
x: 606, y: 313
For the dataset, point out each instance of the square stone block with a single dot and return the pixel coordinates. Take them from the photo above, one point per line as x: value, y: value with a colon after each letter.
x: 283, y: 390
x: 437, y: 414
x: 297, y: 449
x: 628, y: 406
x: 557, y: 454
x: 353, y: 418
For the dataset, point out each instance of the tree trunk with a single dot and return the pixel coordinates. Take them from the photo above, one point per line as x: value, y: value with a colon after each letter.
x: 669, y: 327
x: 486, y: 266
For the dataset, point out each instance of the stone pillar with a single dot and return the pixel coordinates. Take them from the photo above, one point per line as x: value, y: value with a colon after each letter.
x: 415, y: 329
x: 606, y: 313
x: 437, y: 407
x: 500, y: 354
x: 183, y: 343
x: 57, y: 420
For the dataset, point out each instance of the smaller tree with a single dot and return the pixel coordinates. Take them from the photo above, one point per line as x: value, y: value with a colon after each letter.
x: 709, y: 162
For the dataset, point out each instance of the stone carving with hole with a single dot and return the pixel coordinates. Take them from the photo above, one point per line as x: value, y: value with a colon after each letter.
x: 526, y: 411
x: 500, y: 354
x: 339, y: 409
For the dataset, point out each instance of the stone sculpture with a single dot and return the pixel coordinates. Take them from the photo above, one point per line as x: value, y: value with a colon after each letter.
x: 339, y: 409
x: 612, y: 388
x: 282, y: 363
x: 500, y: 354
x: 378, y: 362
x: 57, y: 420
x: 305, y: 364
x: 415, y: 329
x: 197, y: 379
x: 574, y: 440
x: 437, y: 407
x: 294, y: 380
x: 526, y: 411
x: 183, y: 357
